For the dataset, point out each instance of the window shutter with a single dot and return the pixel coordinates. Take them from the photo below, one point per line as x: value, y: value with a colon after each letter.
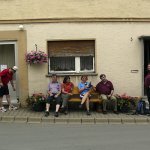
x: 71, y: 48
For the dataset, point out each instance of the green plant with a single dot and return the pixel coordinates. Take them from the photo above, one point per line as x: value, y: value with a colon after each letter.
x: 37, y: 101
x: 126, y: 103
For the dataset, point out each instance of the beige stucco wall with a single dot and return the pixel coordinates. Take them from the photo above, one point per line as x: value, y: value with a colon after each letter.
x: 31, y: 9
x: 118, y: 51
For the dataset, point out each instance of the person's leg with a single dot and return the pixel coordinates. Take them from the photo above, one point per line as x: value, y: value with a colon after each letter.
x: 64, y: 107
x: 114, y: 101
x: 105, y: 101
x: 58, y: 101
x: 2, y: 109
x: 148, y: 96
x: 6, y: 91
x: 49, y: 99
x: 84, y: 98
x: 88, y: 106
x: 1, y: 96
x: 65, y: 98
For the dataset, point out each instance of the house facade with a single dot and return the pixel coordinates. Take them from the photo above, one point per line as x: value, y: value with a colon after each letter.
x: 80, y: 37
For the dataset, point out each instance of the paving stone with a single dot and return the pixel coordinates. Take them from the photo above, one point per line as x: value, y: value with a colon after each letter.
x: 21, y: 119
x: 34, y: 119
x: 101, y: 120
x: 115, y: 120
x: 7, y: 119
x: 88, y: 120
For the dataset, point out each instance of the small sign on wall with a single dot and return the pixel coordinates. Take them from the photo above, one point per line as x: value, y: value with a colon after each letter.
x: 2, y: 67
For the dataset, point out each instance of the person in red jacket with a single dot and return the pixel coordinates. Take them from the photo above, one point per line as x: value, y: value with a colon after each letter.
x: 6, y: 76
x: 147, y: 84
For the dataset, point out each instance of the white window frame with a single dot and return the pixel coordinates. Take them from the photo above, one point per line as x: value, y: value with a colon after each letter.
x: 77, y: 67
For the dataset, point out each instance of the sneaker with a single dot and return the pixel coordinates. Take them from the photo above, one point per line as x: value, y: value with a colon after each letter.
x: 13, y: 107
x: 62, y: 109
x: 65, y: 112
x: 104, y: 112
x: 56, y: 114
x: 46, y: 113
x: 2, y: 109
x: 80, y: 106
x: 88, y: 113
x: 116, y: 112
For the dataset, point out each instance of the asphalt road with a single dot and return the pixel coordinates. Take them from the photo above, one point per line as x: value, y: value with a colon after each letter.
x: 74, y: 137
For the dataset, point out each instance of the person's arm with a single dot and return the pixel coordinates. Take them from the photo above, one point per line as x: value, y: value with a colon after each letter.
x: 111, y: 94
x: 63, y: 90
x: 49, y: 91
x: 12, y: 84
x: 112, y: 89
x: 81, y: 88
x: 59, y: 92
x: 1, y: 84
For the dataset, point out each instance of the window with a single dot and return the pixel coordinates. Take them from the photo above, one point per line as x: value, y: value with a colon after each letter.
x: 73, y: 56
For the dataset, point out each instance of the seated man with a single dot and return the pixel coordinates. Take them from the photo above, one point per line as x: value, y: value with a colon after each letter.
x: 105, y: 89
x: 54, y: 91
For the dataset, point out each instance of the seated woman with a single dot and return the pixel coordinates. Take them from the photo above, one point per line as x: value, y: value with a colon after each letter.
x: 67, y: 88
x: 84, y: 89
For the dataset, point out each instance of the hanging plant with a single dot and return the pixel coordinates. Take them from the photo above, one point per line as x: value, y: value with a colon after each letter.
x: 36, y: 57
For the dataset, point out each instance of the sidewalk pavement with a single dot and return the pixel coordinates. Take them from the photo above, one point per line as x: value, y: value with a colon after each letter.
x: 24, y: 115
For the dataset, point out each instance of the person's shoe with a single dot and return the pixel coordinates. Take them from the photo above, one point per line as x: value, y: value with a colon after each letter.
x: 116, y: 112
x: 13, y: 107
x: 62, y: 109
x: 105, y: 112
x: 56, y: 114
x: 65, y: 112
x: 81, y: 106
x: 46, y: 113
x: 2, y: 109
x: 88, y: 113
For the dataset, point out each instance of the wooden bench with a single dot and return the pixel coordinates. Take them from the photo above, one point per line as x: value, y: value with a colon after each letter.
x: 76, y: 98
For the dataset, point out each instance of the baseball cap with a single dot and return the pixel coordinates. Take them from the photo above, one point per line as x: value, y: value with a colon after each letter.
x: 15, y: 68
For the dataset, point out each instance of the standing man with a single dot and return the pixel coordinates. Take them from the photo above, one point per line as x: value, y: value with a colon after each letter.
x: 6, y: 76
x: 54, y: 91
x: 147, y: 84
x: 105, y: 89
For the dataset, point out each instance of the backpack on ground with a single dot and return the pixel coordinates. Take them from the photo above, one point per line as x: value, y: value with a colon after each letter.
x: 141, y: 107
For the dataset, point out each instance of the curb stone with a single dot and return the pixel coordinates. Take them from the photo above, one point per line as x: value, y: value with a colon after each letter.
x: 115, y: 121
x: 7, y: 118
x: 34, y: 120
x: 48, y: 120
x: 61, y: 120
x: 75, y: 121
x: 101, y: 120
x: 128, y: 120
x: 88, y: 120
x: 21, y: 119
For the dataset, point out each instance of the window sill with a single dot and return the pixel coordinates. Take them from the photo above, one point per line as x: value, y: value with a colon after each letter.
x: 73, y: 74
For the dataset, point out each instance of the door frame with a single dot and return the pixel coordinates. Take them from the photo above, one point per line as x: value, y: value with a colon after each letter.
x: 16, y: 62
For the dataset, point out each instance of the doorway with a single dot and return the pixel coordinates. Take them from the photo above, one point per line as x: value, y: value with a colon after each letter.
x: 146, y: 57
x: 8, y: 59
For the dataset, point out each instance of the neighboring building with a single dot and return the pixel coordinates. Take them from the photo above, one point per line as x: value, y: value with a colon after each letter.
x: 88, y: 36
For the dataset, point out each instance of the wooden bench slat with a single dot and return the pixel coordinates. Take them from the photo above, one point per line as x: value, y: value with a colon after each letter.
x: 76, y: 98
